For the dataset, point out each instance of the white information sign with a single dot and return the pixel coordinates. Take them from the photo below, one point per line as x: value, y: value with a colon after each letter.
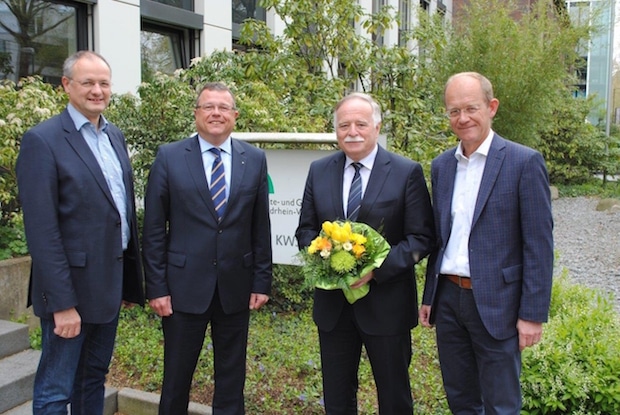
x: 288, y: 170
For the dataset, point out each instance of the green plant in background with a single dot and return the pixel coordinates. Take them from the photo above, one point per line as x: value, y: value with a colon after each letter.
x: 12, y: 237
x: 21, y: 106
x: 163, y: 113
x: 527, y: 51
x: 572, y: 148
x: 576, y: 368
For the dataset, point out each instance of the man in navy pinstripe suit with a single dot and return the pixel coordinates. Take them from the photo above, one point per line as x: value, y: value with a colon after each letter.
x: 488, y: 284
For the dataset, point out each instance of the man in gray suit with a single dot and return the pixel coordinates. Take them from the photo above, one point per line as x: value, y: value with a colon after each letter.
x: 488, y: 284
x: 76, y: 190
x: 207, y: 250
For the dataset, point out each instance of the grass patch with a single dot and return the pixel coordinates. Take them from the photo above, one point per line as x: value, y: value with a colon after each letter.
x: 283, y: 364
x: 593, y: 187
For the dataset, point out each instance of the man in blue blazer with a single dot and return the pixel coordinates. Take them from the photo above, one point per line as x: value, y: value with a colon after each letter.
x: 207, y: 250
x: 394, y: 201
x: 488, y: 284
x: 76, y: 190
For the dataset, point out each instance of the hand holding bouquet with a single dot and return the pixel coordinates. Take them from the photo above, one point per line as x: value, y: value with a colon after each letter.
x: 343, y: 253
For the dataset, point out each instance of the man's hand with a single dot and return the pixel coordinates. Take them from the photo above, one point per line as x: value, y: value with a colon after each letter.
x: 364, y: 280
x: 425, y: 316
x: 68, y: 323
x: 530, y: 333
x: 162, y: 306
x: 258, y: 300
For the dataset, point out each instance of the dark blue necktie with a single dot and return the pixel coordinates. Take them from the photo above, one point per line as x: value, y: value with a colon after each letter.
x: 218, y: 183
x: 355, y: 194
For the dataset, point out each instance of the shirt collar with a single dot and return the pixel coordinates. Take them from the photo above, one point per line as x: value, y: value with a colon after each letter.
x: 226, y: 146
x: 367, y: 161
x: 79, y: 120
x: 482, y: 150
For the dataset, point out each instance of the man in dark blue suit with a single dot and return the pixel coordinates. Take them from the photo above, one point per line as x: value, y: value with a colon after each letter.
x: 488, y: 284
x: 395, y: 201
x: 207, y: 250
x: 76, y: 190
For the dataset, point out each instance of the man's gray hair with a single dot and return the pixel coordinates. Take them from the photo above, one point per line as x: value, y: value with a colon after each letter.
x: 376, y: 108
x: 67, y: 67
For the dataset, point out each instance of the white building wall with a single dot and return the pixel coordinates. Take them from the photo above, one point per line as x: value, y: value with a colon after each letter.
x: 217, y: 32
x: 116, y: 35
x: 116, y: 32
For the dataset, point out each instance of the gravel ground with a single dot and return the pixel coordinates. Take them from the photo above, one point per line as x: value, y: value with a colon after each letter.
x: 588, y: 243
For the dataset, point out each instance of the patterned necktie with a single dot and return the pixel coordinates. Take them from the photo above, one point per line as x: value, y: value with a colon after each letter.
x: 218, y: 183
x: 355, y: 194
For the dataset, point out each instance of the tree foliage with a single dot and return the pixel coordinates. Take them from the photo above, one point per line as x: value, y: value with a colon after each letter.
x: 526, y: 50
x: 291, y: 82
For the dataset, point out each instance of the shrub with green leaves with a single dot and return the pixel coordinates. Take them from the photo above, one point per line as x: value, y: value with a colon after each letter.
x: 576, y: 368
x: 22, y: 106
x: 573, y: 148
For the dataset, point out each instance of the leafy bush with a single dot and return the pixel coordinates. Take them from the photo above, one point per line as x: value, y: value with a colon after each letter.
x: 573, y: 148
x: 21, y: 107
x: 13, y: 237
x: 576, y: 368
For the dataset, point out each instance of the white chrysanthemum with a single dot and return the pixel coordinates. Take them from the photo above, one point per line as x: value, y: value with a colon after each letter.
x: 325, y: 253
x: 347, y: 246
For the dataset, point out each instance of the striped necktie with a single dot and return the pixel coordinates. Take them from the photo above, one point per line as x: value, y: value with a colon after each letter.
x: 355, y: 194
x: 218, y: 183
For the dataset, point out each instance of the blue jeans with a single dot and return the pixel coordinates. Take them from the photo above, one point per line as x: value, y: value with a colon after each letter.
x: 73, y: 370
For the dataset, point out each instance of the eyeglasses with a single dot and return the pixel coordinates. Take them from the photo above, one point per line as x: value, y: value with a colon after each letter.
x: 209, y: 108
x: 456, y: 112
x: 89, y: 84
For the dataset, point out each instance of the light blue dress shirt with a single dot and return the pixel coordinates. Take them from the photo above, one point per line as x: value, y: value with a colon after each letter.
x: 208, y: 157
x: 99, y: 143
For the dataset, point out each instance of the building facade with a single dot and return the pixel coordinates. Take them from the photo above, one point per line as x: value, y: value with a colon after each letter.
x: 141, y: 36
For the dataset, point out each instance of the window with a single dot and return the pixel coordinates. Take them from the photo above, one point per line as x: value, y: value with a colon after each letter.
x: 405, y: 22
x: 40, y: 41
x: 242, y: 10
x: 378, y: 37
x: 425, y: 5
x: 162, y: 50
x: 181, y: 4
x: 169, y: 36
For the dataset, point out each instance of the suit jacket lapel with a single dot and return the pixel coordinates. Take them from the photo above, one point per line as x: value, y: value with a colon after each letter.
x: 123, y: 158
x: 378, y: 176
x: 78, y: 143
x: 443, y: 193
x: 239, y: 160
x: 335, y: 184
x: 197, y: 171
x: 493, y: 165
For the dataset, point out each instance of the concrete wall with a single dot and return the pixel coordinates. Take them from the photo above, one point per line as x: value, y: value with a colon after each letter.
x: 14, y: 276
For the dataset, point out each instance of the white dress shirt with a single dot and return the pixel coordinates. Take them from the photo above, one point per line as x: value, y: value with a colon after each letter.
x: 466, y: 186
x: 349, y: 171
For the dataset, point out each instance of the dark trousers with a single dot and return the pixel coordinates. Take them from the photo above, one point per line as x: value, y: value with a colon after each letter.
x: 480, y: 373
x: 389, y: 357
x: 183, y: 338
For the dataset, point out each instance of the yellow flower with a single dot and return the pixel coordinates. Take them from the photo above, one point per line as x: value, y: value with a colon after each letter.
x: 319, y: 244
x: 342, y: 233
x: 327, y: 227
x: 358, y: 250
x: 358, y: 239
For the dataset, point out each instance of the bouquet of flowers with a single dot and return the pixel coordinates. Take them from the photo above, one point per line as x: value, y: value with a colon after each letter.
x: 342, y: 254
